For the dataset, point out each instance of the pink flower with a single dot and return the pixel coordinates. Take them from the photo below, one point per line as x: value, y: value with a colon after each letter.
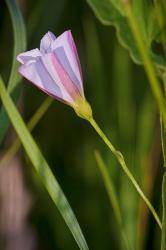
x: 55, y: 68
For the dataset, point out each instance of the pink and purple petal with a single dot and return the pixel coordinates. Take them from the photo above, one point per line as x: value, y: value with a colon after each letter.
x: 46, y: 42
x: 40, y: 77
x: 65, y: 49
x: 29, y: 56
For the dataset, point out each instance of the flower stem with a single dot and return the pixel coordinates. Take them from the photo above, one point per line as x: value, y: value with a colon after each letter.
x: 148, y: 65
x: 123, y: 165
x: 160, y: 13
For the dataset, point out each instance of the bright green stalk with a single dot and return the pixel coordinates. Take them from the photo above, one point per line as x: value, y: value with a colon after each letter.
x: 123, y: 165
x: 112, y: 195
x: 31, y: 124
x: 163, y: 127
x: 161, y: 21
x: 148, y: 65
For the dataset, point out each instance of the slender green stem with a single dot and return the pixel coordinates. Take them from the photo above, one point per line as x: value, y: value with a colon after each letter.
x: 161, y: 21
x: 112, y: 196
x: 163, y: 127
x: 163, y: 77
x: 31, y: 124
x: 123, y: 165
x: 148, y: 65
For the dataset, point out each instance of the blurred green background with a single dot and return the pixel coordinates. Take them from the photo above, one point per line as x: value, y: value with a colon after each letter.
x: 123, y: 106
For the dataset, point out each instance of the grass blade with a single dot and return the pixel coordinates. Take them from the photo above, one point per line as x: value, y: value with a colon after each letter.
x: 31, y: 125
x: 43, y: 170
x: 112, y: 195
x: 163, y: 238
x: 19, y: 41
x: 19, y: 46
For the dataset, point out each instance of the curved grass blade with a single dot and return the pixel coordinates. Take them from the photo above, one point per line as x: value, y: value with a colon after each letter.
x: 112, y: 196
x: 19, y: 41
x: 42, y: 168
x: 163, y: 238
x: 19, y: 46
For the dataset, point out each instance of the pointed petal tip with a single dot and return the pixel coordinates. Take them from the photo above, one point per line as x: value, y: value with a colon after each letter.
x: 46, y: 41
x: 18, y: 59
x: 68, y: 33
x: 28, y: 56
x: 51, y: 34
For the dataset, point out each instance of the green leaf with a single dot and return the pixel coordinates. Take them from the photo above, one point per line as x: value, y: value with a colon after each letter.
x: 42, y: 168
x: 163, y: 238
x: 109, y: 13
x: 19, y: 46
x: 145, y: 13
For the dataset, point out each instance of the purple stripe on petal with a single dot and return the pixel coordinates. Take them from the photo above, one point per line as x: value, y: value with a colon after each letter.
x: 64, y: 77
x: 60, y: 53
x: 73, y: 46
x: 65, y: 41
x: 53, y: 72
x: 46, y: 41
